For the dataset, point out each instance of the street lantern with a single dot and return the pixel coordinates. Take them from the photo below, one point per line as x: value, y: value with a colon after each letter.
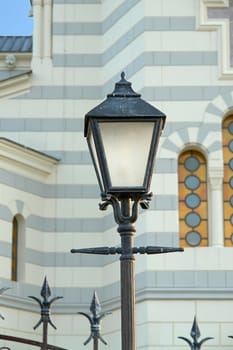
x: 122, y: 134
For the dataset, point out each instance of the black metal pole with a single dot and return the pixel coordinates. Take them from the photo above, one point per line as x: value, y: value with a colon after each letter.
x: 45, y: 335
x: 125, y: 209
x: 95, y: 343
x: 127, y: 267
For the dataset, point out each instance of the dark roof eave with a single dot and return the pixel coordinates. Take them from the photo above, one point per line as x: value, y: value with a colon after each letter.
x: 16, y: 44
x: 17, y: 75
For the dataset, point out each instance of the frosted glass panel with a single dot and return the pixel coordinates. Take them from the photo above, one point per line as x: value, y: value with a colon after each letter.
x: 127, y: 148
x: 95, y: 159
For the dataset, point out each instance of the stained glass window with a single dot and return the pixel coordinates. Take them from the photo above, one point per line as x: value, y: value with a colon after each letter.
x: 193, y: 212
x: 228, y: 180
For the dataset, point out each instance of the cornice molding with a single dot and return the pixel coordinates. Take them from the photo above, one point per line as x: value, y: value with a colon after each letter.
x: 15, y: 85
x: 24, y: 160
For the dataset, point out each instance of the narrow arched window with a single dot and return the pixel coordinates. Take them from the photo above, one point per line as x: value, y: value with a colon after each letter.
x: 228, y: 180
x: 14, y: 250
x: 18, y: 248
x: 193, y: 211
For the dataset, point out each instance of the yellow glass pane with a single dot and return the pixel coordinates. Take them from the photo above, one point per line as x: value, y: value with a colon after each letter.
x: 227, y: 121
x: 201, y: 172
x: 228, y: 210
x: 228, y: 228
x: 202, y: 210
x: 227, y: 156
x: 201, y: 191
x: 183, y: 193
x: 183, y: 173
x: 228, y: 173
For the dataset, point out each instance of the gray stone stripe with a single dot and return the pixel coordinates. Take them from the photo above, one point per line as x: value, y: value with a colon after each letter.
x: 56, y: 190
x: 77, y: 125
x: 165, y: 58
x: 155, y: 93
x: 48, y: 190
x: 163, y: 285
x: 71, y: 157
x: 40, y: 124
x: 62, y: 225
x: 102, y: 27
x: 96, y: 60
x: 67, y: 259
x: 108, y: 22
x: 184, y: 93
x: 145, y: 24
x: 55, y: 225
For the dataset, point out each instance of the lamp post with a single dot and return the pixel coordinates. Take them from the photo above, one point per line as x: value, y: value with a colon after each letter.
x: 123, y: 134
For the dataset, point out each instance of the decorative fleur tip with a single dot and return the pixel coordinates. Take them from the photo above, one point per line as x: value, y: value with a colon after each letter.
x: 95, y: 320
x: 95, y: 306
x: 45, y: 290
x: 195, y: 331
x: 45, y: 305
x: 195, y: 334
x: 123, y: 75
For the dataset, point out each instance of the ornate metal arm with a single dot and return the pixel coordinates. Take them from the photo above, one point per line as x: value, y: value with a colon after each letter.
x: 118, y: 204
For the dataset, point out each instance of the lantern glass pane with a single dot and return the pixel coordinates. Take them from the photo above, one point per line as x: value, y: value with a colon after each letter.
x: 95, y: 158
x: 127, y: 148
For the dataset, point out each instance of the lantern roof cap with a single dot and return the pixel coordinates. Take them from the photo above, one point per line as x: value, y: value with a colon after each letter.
x: 123, y: 102
x: 123, y: 89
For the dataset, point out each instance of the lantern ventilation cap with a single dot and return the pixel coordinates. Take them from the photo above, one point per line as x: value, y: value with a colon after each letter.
x: 123, y: 89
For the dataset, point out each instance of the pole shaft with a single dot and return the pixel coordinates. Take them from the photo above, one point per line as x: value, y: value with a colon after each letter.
x: 45, y: 335
x: 95, y: 343
x: 128, y: 324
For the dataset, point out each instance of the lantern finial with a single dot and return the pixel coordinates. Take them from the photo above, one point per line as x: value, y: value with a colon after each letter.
x: 122, y: 75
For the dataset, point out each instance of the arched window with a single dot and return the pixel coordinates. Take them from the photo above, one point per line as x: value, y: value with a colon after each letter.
x: 193, y: 211
x: 14, y: 249
x: 18, y: 248
x: 228, y: 180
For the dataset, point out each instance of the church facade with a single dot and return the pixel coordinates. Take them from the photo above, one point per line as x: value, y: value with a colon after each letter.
x: 179, y: 56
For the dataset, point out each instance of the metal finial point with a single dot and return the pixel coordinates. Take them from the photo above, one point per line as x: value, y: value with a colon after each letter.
x: 45, y: 290
x: 195, y: 334
x: 122, y: 75
x: 195, y: 331
x: 95, y: 306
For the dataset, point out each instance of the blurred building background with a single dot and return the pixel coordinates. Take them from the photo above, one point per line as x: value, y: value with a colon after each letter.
x: 179, y: 55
